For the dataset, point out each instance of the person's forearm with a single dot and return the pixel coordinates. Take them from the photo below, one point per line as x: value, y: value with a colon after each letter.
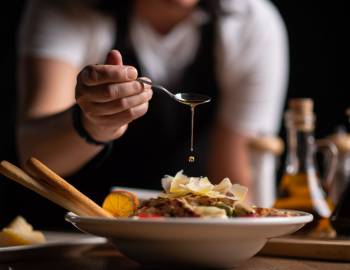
x: 54, y: 141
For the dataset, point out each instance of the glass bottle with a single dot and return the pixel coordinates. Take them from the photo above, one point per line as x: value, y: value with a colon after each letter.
x: 342, y: 176
x: 300, y: 187
x: 340, y: 218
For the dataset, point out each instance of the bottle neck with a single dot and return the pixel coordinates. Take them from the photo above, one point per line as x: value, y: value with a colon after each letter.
x: 300, y: 147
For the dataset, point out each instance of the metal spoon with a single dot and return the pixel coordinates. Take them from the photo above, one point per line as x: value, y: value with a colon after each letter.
x: 185, y: 98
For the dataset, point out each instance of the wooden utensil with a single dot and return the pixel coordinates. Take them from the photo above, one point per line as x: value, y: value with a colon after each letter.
x: 64, y: 194
x: 57, y: 183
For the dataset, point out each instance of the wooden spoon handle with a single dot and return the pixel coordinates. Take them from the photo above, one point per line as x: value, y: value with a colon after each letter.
x: 61, y: 186
x: 16, y: 174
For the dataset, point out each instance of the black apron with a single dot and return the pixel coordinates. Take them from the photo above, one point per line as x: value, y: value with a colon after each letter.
x: 159, y: 142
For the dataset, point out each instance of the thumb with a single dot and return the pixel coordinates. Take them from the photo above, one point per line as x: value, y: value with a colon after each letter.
x: 114, y: 58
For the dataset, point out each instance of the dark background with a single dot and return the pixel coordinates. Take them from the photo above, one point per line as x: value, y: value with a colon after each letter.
x: 319, y: 55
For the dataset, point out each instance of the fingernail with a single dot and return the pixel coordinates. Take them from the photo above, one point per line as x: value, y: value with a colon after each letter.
x: 85, y: 75
x: 131, y: 73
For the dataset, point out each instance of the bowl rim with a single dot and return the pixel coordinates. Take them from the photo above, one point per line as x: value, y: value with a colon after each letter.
x: 301, y: 218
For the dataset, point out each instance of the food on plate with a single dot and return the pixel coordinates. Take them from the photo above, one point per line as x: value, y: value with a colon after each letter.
x: 196, y: 197
x: 185, y: 196
x: 121, y: 203
x: 20, y: 232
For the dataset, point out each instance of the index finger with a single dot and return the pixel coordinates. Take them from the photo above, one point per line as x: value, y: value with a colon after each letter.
x: 100, y: 74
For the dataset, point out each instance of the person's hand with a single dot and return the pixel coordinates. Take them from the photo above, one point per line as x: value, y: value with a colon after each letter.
x: 110, y: 98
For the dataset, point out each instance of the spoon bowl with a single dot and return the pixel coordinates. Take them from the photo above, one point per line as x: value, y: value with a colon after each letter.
x: 191, y: 99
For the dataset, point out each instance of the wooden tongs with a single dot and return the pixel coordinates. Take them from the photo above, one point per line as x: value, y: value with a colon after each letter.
x: 48, y: 184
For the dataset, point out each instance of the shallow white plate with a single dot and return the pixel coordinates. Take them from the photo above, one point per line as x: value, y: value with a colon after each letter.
x: 219, y: 243
x: 58, y: 244
x: 141, y: 194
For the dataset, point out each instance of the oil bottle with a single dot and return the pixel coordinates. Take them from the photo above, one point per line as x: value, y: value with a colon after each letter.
x: 300, y: 187
x: 340, y: 218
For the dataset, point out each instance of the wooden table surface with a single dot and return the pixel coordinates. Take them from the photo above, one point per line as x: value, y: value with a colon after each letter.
x: 105, y: 258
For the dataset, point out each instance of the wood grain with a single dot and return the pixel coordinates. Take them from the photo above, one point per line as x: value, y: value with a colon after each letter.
x: 312, y: 248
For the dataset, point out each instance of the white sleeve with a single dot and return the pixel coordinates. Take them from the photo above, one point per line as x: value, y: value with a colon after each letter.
x: 253, y: 70
x: 47, y: 30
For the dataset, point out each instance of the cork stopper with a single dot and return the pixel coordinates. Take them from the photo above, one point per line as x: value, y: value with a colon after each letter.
x: 301, y: 105
x: 300, y: 114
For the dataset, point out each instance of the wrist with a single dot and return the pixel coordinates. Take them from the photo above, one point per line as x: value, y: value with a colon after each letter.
x: 82, y: 128
x: 93, y: 129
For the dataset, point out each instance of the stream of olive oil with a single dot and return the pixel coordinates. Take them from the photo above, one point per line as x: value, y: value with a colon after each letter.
x: 192, y: 158
x: 192, y: 104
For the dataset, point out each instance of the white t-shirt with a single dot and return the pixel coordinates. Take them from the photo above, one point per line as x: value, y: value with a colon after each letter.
x: 251, y: 53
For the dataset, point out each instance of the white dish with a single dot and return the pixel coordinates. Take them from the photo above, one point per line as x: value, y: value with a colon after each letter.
x: 219, y: 243
x: 59, y: 244
x: 141, y: 194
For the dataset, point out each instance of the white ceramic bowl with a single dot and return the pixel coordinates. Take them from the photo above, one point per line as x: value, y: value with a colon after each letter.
x: 218, y: 243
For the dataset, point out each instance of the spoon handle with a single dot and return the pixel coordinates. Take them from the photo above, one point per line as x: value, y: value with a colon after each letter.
x: 156, y: 86
x: 144, y: 81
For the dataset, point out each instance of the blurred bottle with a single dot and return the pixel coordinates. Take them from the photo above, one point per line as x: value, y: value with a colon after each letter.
x: 300, y: 187
x: 265, y: 151
x: 342, y: 176
x: 340, y: 218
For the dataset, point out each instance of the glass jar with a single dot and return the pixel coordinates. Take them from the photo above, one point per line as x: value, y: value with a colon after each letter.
x: 342, y: 176
x: 301, y: 186
x: 340, y: 188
